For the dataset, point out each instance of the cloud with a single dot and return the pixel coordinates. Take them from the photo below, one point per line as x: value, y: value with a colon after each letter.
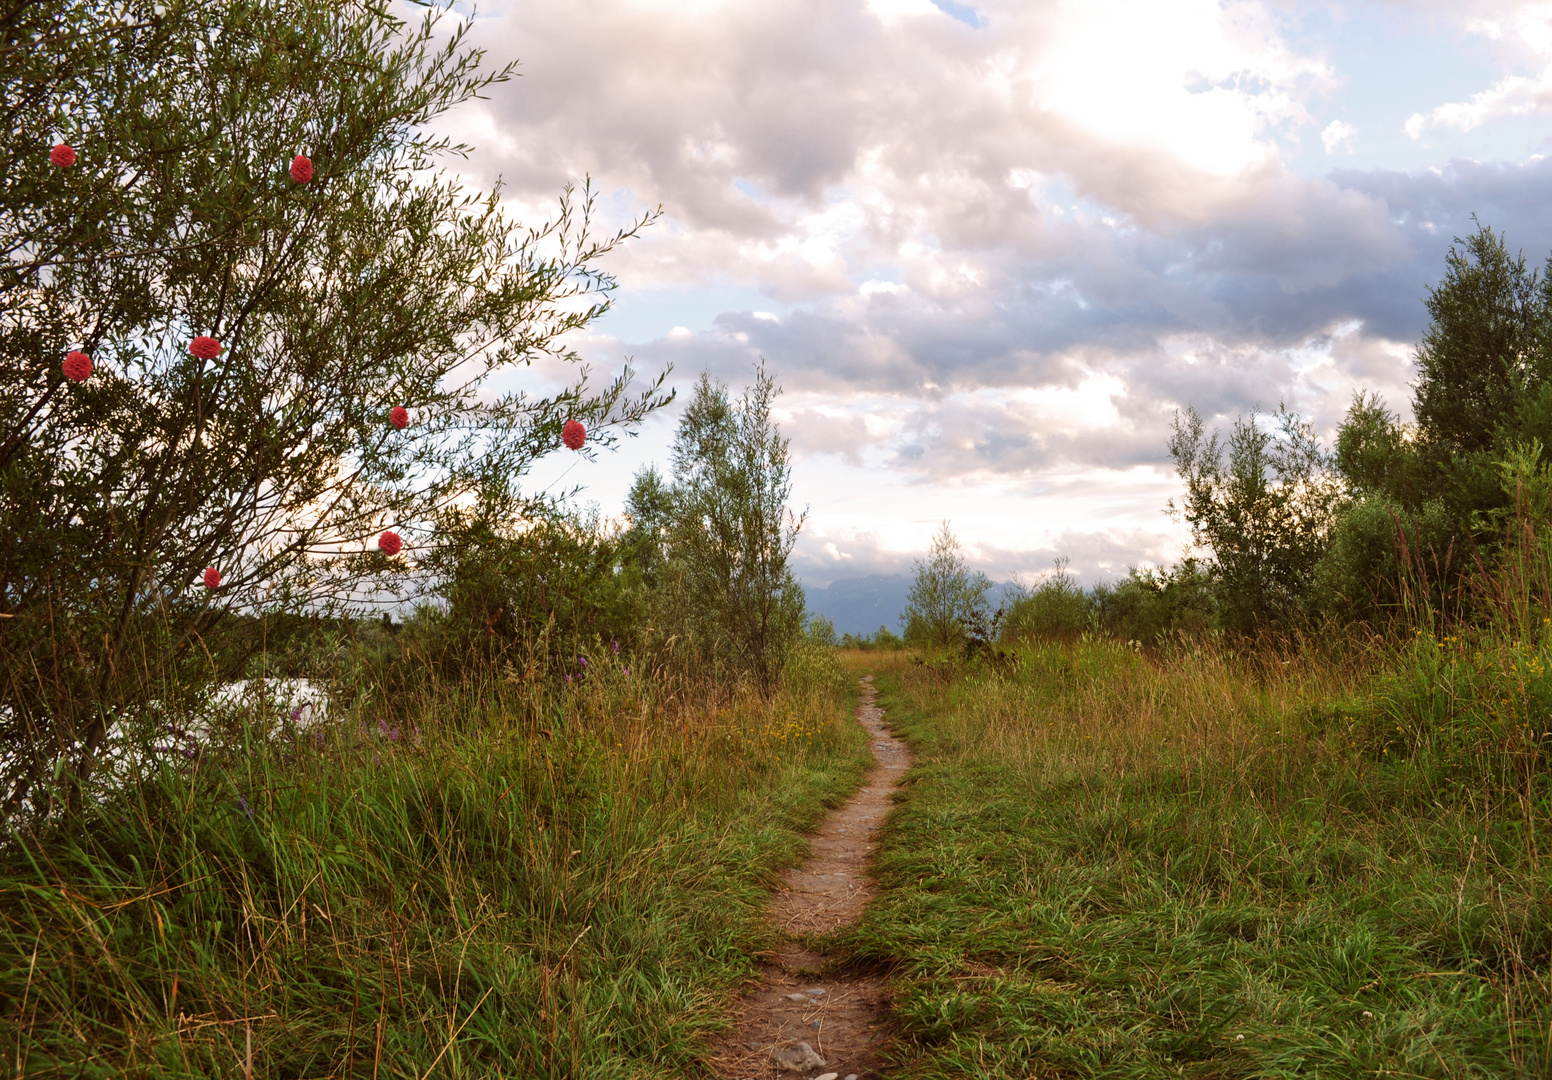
x: 1523, y: 33
x: 1517, y: 95
x: 1338, y: 135
x: 1095, y: 555
x: 994, y: 254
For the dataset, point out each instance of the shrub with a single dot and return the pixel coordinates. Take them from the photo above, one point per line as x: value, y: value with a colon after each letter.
x: 1149, y: 604
x: 1055, y: 608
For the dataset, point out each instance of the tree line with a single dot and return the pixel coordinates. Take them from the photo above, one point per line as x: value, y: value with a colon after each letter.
x: 1441, y: 518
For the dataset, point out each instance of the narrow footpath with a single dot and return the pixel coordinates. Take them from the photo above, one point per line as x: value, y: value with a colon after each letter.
x: 813, y: 1017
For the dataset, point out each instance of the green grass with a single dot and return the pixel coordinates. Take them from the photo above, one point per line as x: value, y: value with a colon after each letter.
x: 1109, y: 864
x: 535, y: 885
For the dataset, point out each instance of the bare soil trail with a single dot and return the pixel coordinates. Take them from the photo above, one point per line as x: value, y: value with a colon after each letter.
x: 808, y: 997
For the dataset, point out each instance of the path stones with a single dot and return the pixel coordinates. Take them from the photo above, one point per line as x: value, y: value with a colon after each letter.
x: 799, y: 1057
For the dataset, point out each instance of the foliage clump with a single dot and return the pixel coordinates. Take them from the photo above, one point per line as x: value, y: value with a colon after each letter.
x: 267, y: 452
x: 947, y: 605
x: 710, y: 543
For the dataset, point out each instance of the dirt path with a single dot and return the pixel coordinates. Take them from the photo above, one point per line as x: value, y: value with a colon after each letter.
x: 806, y: 997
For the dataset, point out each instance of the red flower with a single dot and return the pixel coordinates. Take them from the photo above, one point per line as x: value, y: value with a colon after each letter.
x: 78, y: 366
x: 301, y: 169
x: 212, y: 578
x: 573, y: 434
x: 62, y: 156
x: 390, y: 543
x: 399, y: 417
x: 206, y: 348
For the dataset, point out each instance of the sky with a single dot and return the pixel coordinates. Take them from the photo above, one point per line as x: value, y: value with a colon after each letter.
x: 988, y: 250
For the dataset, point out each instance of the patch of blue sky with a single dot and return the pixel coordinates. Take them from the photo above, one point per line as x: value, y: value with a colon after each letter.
x: 1388, y: 70
x: 963, y: 12
x: 641, y: 315
x: 1055, y: 195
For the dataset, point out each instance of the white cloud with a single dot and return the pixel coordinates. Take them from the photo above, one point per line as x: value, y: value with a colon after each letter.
x: 890, y: 12
x: 1338, y: 134
x: 1516, y: 95
x: 1524, y: 33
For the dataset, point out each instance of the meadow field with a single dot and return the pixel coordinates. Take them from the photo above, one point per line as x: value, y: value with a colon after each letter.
x: 1207, y: 862
x: 487, y: 878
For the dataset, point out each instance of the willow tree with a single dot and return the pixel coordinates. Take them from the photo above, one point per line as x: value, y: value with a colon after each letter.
x: 713, y: 544
x: 260, y: 174
x: 947, y: 602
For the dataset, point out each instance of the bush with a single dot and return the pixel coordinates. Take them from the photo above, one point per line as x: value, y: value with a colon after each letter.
x: 1361, y: 577
x: 1265, y: 510
x: 714, y: 542
x: 1148, y: 604
x: 883, y: 638
x: 1056, y: 608
x: 321, y: 302
x: 533, y: 595
x: 946, y: 607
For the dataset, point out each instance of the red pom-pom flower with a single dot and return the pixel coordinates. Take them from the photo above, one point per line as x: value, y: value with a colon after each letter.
x: 206, y: 348
x: 573, y: 434
x: 389, y: 543
x: 62, y: 155
x: 78, y: 366
x: 212, y: 577
x: 301, y: 169
x: 399, y: 417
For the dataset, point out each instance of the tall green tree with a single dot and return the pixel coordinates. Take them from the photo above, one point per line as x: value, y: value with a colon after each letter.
x: 1482, y: 350
x: 718, y: 537
x: 376, y: 281
x: 947, y: 601
x: 1264, y: 504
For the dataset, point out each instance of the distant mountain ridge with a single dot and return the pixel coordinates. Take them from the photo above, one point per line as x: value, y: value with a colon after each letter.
x: 860, y: 605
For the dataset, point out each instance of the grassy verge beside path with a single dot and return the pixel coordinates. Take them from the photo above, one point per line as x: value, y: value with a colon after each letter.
x: 1114, y: 865
x: 495, y: 880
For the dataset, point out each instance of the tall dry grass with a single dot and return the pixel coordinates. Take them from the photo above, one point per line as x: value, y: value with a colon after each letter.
x: 1116, y: 862
x: 494, y: 877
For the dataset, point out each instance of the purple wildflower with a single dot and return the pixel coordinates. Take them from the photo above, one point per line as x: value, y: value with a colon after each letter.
x: 393, y: 733
x: 296, y: 714
x: 382, y: 726
x: 626, y: 670
x: 242, y: 802
x: 568, y: 676
x: 583, y: 661
x: 614, y: 643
